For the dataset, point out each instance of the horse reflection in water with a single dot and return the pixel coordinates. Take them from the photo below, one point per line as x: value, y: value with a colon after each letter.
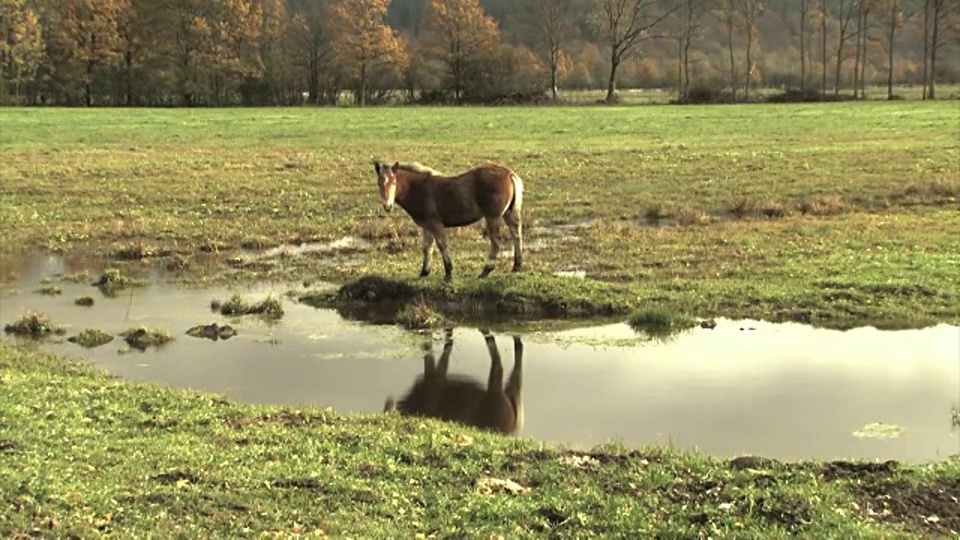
x: 461, y: 399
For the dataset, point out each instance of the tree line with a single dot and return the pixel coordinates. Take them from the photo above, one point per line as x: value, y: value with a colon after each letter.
x: 281, y: 52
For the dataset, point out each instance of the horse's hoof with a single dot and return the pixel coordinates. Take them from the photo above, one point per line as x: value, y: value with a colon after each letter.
x: 448, y: 278
x: 424, y: 273
x: 517, y: 269
x: 486, y: 272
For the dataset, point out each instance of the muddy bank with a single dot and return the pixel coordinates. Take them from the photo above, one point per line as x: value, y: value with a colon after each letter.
x: 523, y: 297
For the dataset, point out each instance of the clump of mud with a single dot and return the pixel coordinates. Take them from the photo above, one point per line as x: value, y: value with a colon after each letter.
x: 142, y: 337
x: 33, y: 325
x: 84, y: 301
x: 90, y: 338
x: 372, y: 288
x: 418, y: 315
x: 212, y: 331
x: 271, y: 307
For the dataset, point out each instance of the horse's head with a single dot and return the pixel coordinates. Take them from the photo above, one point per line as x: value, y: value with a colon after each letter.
x: 387, y: 182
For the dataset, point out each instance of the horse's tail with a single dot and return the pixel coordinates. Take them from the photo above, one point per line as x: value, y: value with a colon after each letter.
x: 517, y: 203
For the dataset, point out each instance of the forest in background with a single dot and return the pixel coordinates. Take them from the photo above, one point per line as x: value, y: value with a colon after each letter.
x: 286, y: 52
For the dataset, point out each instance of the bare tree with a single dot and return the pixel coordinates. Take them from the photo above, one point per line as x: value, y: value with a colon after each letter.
x: 688, y: 28
x: 823, y: 42
x: 553, y: 27
x: 624, y: 24
x: 935, y: 17
x: 750, y: 10
x: 802, y: 31
x: 896, y: 18
x: 728, y: 16
x: 847, y: 8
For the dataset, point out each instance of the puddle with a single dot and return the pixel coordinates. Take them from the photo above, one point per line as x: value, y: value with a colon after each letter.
x: 785, y: 391
x: 341, y: 246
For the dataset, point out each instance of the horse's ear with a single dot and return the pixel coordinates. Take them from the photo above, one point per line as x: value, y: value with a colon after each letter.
x: 396, y: 166
x: 376, y: 165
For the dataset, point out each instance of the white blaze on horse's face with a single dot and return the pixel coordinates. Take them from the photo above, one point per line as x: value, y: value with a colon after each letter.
x: 387, y: 179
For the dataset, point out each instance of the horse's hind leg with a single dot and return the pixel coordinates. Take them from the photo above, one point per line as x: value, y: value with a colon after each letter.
x: 512, y: 219
x: 493, y: 231
x: 440, y: 236
x: 427, y: 252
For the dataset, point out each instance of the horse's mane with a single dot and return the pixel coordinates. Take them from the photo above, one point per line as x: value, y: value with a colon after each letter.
x: 419, y: 168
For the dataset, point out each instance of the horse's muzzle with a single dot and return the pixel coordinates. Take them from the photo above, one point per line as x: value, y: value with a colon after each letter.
x: 388, y: 206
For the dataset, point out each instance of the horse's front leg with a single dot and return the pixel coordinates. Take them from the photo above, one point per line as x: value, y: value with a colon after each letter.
x: 427, y: 252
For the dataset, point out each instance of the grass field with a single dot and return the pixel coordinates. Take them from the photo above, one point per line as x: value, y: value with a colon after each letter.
x: 836, y: 214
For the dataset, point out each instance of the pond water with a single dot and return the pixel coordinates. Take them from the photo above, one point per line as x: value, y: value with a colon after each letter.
x: 785, y: 391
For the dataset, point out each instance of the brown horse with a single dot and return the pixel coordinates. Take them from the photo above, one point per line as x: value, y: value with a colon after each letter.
x: 437, y: 202
x: 463, y: 400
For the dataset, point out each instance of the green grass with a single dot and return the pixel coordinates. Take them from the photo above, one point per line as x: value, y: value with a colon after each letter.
x: 841, y: 213
x: 82, y: 454
x: 659, y: 322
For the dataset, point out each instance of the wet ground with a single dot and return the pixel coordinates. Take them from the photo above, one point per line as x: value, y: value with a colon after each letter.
x: 779, y: 390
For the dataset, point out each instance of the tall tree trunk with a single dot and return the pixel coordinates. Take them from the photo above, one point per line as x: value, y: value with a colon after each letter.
x: 612, y: 81
x: 856, y: 60
x: 926, y: 45
x: 803, y: 51
x: 938, y: 6
x: 863, y: 60
x: 363, y: 84
x: 823, y: 35
x: 733, y: 64
x: 891, y: 34
x: 554, y: 67
x: 749, y: 68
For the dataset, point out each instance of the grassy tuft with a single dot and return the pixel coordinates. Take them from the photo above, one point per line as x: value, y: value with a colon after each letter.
x: 418, y: 315
x: 85, y: 301
x: 33, y: 325
x: 112, y: 282
x: 659, y: 322
x: 90, y: 338
x: 49, y: 290
x: 140, y: 338
x: 271, y: 307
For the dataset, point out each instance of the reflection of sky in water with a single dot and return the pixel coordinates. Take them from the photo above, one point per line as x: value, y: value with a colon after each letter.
x: 787, y: 391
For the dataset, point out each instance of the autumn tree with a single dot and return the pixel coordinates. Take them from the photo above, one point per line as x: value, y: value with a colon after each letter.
x: 624, y: 24
x: 461, y: 37
x: 310, y: 46
x: 363, y: 41
x: 21, y: 46
x: 86, y: 31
